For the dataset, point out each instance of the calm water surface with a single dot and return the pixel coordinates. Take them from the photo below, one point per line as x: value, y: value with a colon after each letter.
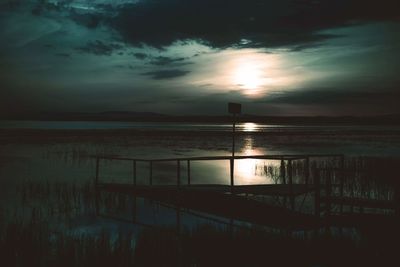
x: 70, y: 158
x: 204, y: 127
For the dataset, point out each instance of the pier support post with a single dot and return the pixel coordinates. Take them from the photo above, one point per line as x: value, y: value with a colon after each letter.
x: 290, y: 174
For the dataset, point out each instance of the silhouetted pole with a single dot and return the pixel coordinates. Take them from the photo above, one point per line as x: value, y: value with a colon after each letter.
x: 233, y: 108
x: 232, y: 163
x: 233, y: 134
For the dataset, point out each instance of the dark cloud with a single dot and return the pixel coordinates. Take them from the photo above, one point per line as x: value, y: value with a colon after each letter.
x: 99, y: 48
x: 88, y: 20
x: 140, y: 55
x: 162, y: 61
x: 260, y: 22
x: 166, y: 74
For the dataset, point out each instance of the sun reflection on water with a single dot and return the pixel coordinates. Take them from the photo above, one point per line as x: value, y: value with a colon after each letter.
x: 250, y: 127
x: 245, y: 169
x: 252, y: 171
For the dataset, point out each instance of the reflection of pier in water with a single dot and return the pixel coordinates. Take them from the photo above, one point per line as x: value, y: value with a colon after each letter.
x: 246, y: 203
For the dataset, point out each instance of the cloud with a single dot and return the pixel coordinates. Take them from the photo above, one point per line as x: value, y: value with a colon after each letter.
x: 166, y: 74
x: 140, y: 55
x: 162, y: 61
x: 98, y: 47
x: 262, y: 23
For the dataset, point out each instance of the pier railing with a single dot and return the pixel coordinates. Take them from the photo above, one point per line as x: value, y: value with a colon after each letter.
x: 325, y: 181
x: 285, y: 160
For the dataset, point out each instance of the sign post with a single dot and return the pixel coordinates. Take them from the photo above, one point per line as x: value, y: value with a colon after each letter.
x: 234, y: 109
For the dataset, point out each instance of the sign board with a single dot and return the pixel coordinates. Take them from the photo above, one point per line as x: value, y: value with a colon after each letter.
x: 234, y: 108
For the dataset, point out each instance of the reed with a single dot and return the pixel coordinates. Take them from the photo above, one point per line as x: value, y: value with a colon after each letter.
x: 37, y: 230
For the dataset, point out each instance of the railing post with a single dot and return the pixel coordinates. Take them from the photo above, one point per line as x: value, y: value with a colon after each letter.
x: 151, y: 173
x: 290, y: 174
x: 188, y: 172
x: 134, y: 172
x: 96, y: 181
x: 178, y: 173
x: 307, y: 170
x: 283, y: 172
x: 283, y: 177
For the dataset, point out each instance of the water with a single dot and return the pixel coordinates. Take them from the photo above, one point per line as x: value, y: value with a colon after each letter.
x: 67, y: 157
x: 203, y: 127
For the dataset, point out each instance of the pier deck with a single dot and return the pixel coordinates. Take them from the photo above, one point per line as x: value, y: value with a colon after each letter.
x: 219, y: 201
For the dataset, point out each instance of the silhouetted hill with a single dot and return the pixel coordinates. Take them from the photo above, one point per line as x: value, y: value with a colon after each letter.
x: 157, y: 117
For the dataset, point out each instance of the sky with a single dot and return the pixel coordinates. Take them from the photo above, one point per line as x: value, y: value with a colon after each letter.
x: 191, y: 57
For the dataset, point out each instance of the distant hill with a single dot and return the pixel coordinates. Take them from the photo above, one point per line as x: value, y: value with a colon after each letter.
x: 158, y: 117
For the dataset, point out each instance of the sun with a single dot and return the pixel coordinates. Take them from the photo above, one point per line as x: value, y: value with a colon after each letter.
x: 248, y: 76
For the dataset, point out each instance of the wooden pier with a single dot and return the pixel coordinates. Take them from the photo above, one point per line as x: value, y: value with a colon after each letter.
x: 240, y: 202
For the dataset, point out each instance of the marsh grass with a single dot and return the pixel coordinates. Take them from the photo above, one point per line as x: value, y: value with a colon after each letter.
x: 36, y: 232
x: 35, y: 244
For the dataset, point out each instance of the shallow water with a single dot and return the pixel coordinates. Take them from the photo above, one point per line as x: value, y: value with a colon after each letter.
x: 69, y: 157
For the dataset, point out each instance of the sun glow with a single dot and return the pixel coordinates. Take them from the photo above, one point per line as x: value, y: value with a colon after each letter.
x: 248, y: 76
